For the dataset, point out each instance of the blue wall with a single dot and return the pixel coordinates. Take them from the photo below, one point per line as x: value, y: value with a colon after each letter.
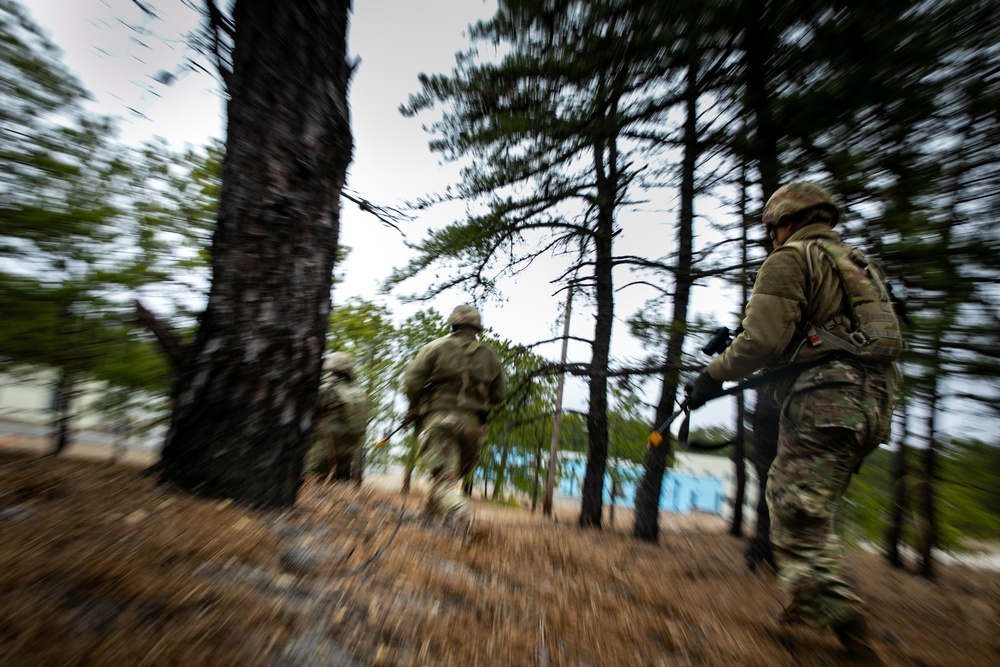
x: 681, y: 492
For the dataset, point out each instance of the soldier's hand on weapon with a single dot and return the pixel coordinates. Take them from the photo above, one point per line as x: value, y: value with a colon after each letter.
x: 702, y: 390
x: 411, y: 416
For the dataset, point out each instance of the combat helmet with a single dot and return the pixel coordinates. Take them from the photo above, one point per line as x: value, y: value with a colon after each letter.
x: 792, y: 198
x: 339, y: 363
x: 466, y: 316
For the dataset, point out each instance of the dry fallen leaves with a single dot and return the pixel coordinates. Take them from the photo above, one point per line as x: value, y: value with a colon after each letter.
x: 100, y: 567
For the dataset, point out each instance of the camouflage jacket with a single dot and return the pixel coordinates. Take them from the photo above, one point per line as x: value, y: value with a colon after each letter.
x: 787, y: 298
x: 455, y: 372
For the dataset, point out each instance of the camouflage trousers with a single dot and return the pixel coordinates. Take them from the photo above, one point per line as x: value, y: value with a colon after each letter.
x: 332, y: 454
x: 826, y: 429
x: 450, y: 441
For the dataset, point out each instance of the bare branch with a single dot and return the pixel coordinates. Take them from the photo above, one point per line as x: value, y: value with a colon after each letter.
x: 387, y: 215
x: 146, y: 9
x: 170, y: 342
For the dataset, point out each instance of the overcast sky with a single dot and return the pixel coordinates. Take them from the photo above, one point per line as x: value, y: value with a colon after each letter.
x: 396, y: 40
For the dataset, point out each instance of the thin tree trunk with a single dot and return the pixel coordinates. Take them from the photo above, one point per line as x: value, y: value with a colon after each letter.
x: 606, y: 162
x: 550, y: 479
x: 928, y: 518
x: 614, y: 495
x: 245, y: 397
x: 739, y: 449
x: 894, y: 532
x: 739, y: 463
x: 536, y: 480
x: 62, y: 412
x: 410, y: 463
x: 500, y: 481
x: 758, y: 47
x: 647, y: 497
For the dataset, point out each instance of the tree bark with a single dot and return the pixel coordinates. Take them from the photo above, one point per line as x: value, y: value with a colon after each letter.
x: 246, y: 394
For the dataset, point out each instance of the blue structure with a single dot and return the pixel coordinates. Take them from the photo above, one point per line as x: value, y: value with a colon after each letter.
x: 682, y: 492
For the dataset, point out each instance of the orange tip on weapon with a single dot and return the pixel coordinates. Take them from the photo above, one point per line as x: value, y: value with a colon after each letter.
x: 654, y: 440
x: 382, y: 443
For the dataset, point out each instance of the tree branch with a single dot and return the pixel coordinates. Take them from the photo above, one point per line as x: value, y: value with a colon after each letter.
x: 170, y: 342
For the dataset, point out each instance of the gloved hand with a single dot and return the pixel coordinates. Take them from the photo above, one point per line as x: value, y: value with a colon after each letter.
x: 702, y: 390
x: 411, y: 416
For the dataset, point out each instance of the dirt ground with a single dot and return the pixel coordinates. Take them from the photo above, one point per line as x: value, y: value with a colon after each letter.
x: 98, y: 566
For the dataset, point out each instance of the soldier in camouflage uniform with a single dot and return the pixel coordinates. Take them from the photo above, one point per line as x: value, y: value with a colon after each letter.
x: 341, y: 422
x: 452, y: 384
x: 837, y: 399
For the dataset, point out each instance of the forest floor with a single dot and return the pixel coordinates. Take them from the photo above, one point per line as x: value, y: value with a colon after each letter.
x: 99, y: 566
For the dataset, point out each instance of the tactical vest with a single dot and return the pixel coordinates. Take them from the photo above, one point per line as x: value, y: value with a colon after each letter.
x: 870, y: 329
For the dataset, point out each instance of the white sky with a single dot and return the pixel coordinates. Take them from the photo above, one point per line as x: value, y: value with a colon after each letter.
x: 396, y: 40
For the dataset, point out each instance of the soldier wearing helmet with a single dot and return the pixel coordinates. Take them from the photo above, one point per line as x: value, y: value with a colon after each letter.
x: 341, y: 422
x: 836, y: 394
x: 452, y: 384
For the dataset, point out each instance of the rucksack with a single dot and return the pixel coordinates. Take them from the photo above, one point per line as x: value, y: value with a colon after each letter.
x: 346, y: 406
x: 872, y: 332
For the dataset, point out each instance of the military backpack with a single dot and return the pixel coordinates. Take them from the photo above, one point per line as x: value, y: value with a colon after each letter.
x: 871, y: 329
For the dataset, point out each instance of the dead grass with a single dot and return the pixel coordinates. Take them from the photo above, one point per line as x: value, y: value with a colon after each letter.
x: 99, y: 567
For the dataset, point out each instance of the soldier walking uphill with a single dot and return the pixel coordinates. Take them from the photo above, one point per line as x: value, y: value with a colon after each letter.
x: 452, y: 384
x: 341, y: 422
x: 820, y: 309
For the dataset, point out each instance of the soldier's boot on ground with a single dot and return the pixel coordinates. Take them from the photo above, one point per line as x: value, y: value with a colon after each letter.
x: 458, y: 514
x: 856, y: 638
x: 431, y: 513
x: 460, y: 523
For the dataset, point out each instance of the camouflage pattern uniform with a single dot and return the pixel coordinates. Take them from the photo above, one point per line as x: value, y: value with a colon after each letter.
x: 833, y: 414
x: 341, y: 422
x: 452, y: 384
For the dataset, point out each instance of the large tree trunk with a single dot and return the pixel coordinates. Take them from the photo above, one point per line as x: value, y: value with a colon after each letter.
x: 647, y: 497
x: 245, y: 397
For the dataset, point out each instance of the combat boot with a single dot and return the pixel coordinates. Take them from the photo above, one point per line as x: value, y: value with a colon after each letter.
x: 856, y: 638
x: 461, y: 524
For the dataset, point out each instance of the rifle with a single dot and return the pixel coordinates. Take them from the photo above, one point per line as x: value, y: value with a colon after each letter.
x: 656, y: 436
x: 384, y: 441
x: 719, y: 341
